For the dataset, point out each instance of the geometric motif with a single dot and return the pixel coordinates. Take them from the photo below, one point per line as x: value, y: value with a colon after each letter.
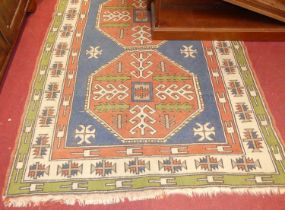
x: 103, y: 168
x: 188, y: 51
x: 41, y: 146
x: 142, y: 92
x: 69, y: 169
x: 137, y: 166
x: 47, y: 117
x: 127, y: 23
x: 85, y: 134
x: 252, y: 139
x: 143, y: 104
x: 209, y: 163
x: 141, y: 16
x: 172, y: 165
x: 205, y: 132
x: 246, y: 164
x: 38, y: 170
x: 94, y: 52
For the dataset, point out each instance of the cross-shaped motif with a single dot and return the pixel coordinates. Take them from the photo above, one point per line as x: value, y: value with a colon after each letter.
x: 61, y: 49
x: 37, y: 170
x: 137, y: 166
x: 243, y: 112
x: 41, y: 145
x: 52, y: 91
x: 172, y: 165
x: 235, y: 88
x: 47, y: 116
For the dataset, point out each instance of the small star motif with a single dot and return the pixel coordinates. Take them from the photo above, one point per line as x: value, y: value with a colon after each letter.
x: 188, y: 51
x: 94, y: 52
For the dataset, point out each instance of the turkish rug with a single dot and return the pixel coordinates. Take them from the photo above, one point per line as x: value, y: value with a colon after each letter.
x: 113, y: 114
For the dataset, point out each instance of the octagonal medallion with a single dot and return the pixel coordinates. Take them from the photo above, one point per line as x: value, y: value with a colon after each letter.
x: 127, y: 22
x: 142, y: 96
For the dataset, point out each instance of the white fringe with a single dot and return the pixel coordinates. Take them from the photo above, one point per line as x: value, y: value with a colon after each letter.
x: 111, y: 198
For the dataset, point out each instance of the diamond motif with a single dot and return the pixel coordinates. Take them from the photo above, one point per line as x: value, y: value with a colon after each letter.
x: 135, y: 87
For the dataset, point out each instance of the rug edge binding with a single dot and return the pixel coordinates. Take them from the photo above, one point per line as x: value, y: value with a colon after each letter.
x: 113, y: 198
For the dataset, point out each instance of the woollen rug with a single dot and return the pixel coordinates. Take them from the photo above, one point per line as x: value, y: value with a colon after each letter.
x: 113, y: 114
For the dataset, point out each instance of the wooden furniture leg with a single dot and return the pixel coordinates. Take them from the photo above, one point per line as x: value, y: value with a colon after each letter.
x: 157, y: 5
x: 32, y: 6
x: 148, y: 6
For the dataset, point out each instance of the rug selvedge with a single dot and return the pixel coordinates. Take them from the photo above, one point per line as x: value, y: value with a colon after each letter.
x: 140, y: 97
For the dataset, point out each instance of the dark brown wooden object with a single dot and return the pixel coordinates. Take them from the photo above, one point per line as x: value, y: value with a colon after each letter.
x: 211, y: 20
x: 271, y: 8
x: 12, y: 13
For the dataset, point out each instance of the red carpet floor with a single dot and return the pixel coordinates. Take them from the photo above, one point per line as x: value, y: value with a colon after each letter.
x: 267, y: 58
